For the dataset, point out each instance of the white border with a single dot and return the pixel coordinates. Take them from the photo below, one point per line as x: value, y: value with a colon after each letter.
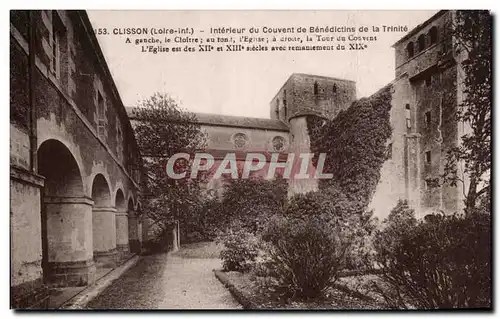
x: 200, y: 4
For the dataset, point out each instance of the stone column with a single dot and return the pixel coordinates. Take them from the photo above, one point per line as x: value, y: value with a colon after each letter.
x: 133, y: 229
x: 122, y: 232
x: 145, y: 229
x: 26, y: 273
x: 139, y: 232
x: 70, y: 242
x: 104, y: 236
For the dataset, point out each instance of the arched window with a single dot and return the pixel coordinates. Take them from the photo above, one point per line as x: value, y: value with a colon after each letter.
x: 410, y: 49
x: 408, y: 116
x: 284, y: 104
x: 421, y: 42
x: 433, y: 33
x: 277, y: 108
x: 315, y: 88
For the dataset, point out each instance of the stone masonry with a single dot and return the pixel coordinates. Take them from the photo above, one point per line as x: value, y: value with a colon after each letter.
x: 75, y: 164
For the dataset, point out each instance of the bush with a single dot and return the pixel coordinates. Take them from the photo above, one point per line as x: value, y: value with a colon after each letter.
x: 240, y: 249
x: 251, y: 202
x: 160, y: 243
x: 202, y: 223
x: 439, y: 262
x: 304, y: 257
x: 309, y: 244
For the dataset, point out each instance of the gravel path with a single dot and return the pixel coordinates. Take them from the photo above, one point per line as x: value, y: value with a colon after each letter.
x: 182, y: 280
x: 140, y: 287
x: 191, y: 284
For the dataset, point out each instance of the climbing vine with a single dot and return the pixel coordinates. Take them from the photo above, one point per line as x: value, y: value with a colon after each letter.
x: 355, y: 144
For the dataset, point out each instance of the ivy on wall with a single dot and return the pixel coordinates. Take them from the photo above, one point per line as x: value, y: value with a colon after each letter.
x: 355, y: 145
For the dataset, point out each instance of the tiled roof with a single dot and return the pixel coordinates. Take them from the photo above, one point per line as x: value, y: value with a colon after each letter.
x: 234, y: 121
x: 241, y: 121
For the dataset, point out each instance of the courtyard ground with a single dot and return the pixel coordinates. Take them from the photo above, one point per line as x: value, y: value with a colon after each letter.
x: 180, y: 280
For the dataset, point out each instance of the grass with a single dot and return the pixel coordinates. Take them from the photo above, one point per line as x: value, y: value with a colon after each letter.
x: 334, y: 299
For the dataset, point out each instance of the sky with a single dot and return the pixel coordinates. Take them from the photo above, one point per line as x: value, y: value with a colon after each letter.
x: 243, y: 83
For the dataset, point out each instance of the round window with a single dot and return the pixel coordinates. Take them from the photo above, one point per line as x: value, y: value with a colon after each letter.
x: 240, y: 140
x: 279, y: 143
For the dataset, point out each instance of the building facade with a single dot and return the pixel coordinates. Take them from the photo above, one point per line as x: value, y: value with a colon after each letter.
x: 76, y: 168
x: 425, y: 94
x: 75, y: 165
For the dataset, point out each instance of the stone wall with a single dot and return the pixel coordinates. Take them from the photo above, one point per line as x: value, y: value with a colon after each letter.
x: 425, y: 92
x: 306, y: 93
x: 53, y: 217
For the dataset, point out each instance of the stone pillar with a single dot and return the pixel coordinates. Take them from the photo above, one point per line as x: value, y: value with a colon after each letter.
x: 139, y: 232
x: 70, y: 242
x: 300, y: 144
x: 133, y: 232
x: 122, y: 232
x: 26, y: 274
x: 104, y: 236
x: 145, y: 229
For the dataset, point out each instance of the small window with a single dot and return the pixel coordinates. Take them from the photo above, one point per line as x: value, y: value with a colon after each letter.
x: 408, y: 123
x: 428, y: 157
x: 284, y: 108
x: 436, y: 78
x: 428, y: 81
x: 428, y: 119
x: 277, y: 108
x: 100, y: 105
x: 101, y: 115
x: 389, y: 152
x: 57, y: 34
x: 410, y: 49
x: 421, y: 43
x: 334, y: 89
x: 119, y: 140
x: 408, y: 116
x: 433, y: 35
x: 315, y: 88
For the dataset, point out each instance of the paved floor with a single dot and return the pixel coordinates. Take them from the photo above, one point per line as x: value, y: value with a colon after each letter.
x: 59, y: 296
x: 168, y: 281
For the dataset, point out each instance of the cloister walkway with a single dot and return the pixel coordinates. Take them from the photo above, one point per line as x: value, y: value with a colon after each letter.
x: 180, y: 280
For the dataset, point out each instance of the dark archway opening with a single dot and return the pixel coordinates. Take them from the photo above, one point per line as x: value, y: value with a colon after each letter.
x: 62, y: 181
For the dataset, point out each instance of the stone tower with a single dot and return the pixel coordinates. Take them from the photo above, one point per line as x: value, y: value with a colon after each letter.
x: 304, y: 95
x: 424, y: 102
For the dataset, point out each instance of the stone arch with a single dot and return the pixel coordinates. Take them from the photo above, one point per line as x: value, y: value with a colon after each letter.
x: 103, y: 223
x: 66, y: 211
x: 421, y: 43
x: 133, y: 227
x: 122, y: 243
x: 120, y: 200
x: 48, y: 129
x: 433, y: 35
x: 101, y: 193
x: 410, y: 49
x: 62, y: 176
x: 131, y: 199
x: 89, y: 181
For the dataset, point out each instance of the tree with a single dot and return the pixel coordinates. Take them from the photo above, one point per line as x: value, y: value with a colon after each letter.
x: 163, y: 129
x: 472, y: 31
x: 252, y: 202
